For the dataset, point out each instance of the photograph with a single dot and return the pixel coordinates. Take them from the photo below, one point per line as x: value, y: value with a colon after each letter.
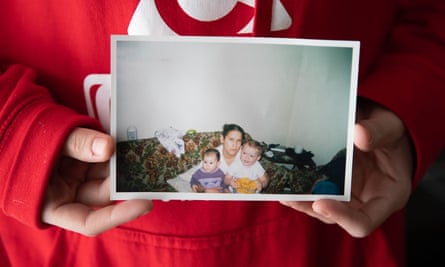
x: 232, y: 118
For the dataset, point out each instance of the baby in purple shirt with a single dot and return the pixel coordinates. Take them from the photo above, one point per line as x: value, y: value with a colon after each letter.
x: 209, y: 177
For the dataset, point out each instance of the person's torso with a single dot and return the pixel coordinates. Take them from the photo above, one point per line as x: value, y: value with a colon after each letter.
x: 208, y: 179
x: 68, y: 44
x: 252, y: 172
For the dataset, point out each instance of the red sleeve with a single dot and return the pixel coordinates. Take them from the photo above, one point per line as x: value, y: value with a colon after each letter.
x: 410, y: 77
x: 32, y: 131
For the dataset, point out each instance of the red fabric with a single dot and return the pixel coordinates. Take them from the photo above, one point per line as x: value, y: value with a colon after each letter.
x: 62, y: 43
x: 27, y: 115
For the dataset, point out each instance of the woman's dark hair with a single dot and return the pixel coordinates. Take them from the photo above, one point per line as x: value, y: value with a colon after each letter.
x: 233, y: 127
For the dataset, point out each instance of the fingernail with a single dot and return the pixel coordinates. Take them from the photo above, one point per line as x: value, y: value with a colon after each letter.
x: 99, y: 145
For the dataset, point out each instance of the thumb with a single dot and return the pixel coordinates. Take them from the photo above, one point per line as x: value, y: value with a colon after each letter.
x: 88, y: 145
x: 381, y: 128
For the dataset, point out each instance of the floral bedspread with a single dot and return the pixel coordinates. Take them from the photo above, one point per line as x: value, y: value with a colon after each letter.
x: 145, y: 166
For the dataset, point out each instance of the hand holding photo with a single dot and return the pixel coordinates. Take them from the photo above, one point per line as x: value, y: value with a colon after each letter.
x: 218, y: 118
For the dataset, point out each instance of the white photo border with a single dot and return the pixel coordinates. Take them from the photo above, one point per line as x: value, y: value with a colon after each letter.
x: 354, y: 45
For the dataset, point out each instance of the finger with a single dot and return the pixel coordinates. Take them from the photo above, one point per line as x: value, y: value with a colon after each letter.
x: 357, y: 222
x: 98, y: 170
x: 380, y: 129
x: 70, y: 167
x: 95, y: 192
x: 84, y: 220
x: 88, y: 145
x: 305, y: 207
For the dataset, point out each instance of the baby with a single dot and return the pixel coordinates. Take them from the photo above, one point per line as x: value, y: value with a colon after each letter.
x: 248, y: 176
x: 209, y: 177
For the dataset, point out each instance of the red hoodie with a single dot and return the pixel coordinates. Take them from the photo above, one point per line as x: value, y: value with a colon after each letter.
x: 63, y: 48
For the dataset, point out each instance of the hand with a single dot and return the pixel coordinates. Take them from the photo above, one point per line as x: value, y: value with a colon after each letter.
x: 195, y: 188
x: 381, y: 176
x: 228, y: 179
x: 78, y: 194
x: 259, y: 186
x: 233, y: 183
